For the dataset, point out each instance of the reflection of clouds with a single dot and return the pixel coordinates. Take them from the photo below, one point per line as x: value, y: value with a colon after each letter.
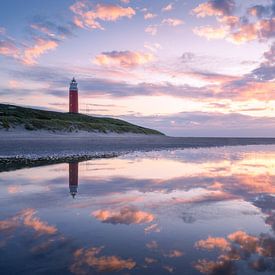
x: 152, y: 228
x: 126, y: 215
x: 9, y: 225
x: 173, y: 254
x: 152, y: 245
x: 84, y: 259
x: 168, y: 268
x: 206, y: 196
x: 234, y: 172
x: 239, y: 248
x: 150, y: 260
x: 28, y: 219
x: 267, y: 205
x: 211, y: 243
x: 35, y: 223
x: 13, y: 189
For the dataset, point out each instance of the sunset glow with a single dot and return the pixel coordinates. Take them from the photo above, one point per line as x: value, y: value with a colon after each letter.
x: 195, y: 68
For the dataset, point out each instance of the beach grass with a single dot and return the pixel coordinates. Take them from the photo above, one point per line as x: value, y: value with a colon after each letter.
x: 12, y: 116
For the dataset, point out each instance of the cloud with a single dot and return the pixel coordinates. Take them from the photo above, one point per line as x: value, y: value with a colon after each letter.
x: 152, y: 29
x: 169, y: 7
x: 40, y: 47
x: 174, y: 22
x: 210, y: 32
x: 51, y: 29
x: 126, y: 215
x: 153, y: 47
x: 235, y: 29
x: 86, y: 258
x: 87, y: 15
x: 149, y: 15
x: 9, y: 48
x: 125, y: 59
x: 46, y: 36
x: 215, y: 8
x: 262, y: 11
x: 261, y: 30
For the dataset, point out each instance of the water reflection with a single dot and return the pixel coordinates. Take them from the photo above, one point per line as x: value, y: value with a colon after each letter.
x: 197, y: 211
x: 73, y: 178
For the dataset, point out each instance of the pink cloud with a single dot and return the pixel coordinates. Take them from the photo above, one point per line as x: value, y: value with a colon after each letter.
x: 149, y: 15
x: 210, y: 32
x: 174, y: 22
x: 87, y: 16
x: 214, y: 8
x: 126, y: 59
x: 235, y: 29
x: 152, y: 29
x: 41, y: 46
x: 8, y: 48
x: 169, y: 7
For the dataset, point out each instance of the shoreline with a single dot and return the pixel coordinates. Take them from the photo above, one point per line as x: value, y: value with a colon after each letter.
x: 17, y: 152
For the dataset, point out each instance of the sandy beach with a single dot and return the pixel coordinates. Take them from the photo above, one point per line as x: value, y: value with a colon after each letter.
x: 38, y: 145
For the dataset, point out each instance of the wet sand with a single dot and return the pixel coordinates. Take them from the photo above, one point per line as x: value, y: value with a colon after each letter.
x: 60, y: 146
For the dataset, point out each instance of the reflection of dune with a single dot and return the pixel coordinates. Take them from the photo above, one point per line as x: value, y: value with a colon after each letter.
x: 126, y: 215
x: 85, y: 259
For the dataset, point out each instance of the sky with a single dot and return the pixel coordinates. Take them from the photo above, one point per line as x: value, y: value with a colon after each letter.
x: 186, y: 68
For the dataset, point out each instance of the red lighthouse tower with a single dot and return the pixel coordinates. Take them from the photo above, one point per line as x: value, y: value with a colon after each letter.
x: 73, y: 108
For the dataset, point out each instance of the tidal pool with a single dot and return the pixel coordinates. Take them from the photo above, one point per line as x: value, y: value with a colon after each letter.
x: 193, y: 211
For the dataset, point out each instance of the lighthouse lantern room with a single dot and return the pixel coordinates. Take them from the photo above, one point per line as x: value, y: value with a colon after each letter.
x: 73, y: 94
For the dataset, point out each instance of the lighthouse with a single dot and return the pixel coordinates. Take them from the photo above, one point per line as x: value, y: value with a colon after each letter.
x: 73, y: 95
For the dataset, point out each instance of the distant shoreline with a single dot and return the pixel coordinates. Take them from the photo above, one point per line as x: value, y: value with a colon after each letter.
x: 28, y: 151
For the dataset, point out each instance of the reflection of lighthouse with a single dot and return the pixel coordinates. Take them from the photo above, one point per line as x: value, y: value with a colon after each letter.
x: 73, y: 178
x: 73, y: 104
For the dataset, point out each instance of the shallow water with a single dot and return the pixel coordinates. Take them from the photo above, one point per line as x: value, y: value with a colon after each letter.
x: 193, y: 211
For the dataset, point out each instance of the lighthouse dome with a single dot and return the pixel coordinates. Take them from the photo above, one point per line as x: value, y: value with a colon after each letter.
x: 73, y: 85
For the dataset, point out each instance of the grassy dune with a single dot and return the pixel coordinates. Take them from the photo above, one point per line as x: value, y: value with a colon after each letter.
x: 33, y: 119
